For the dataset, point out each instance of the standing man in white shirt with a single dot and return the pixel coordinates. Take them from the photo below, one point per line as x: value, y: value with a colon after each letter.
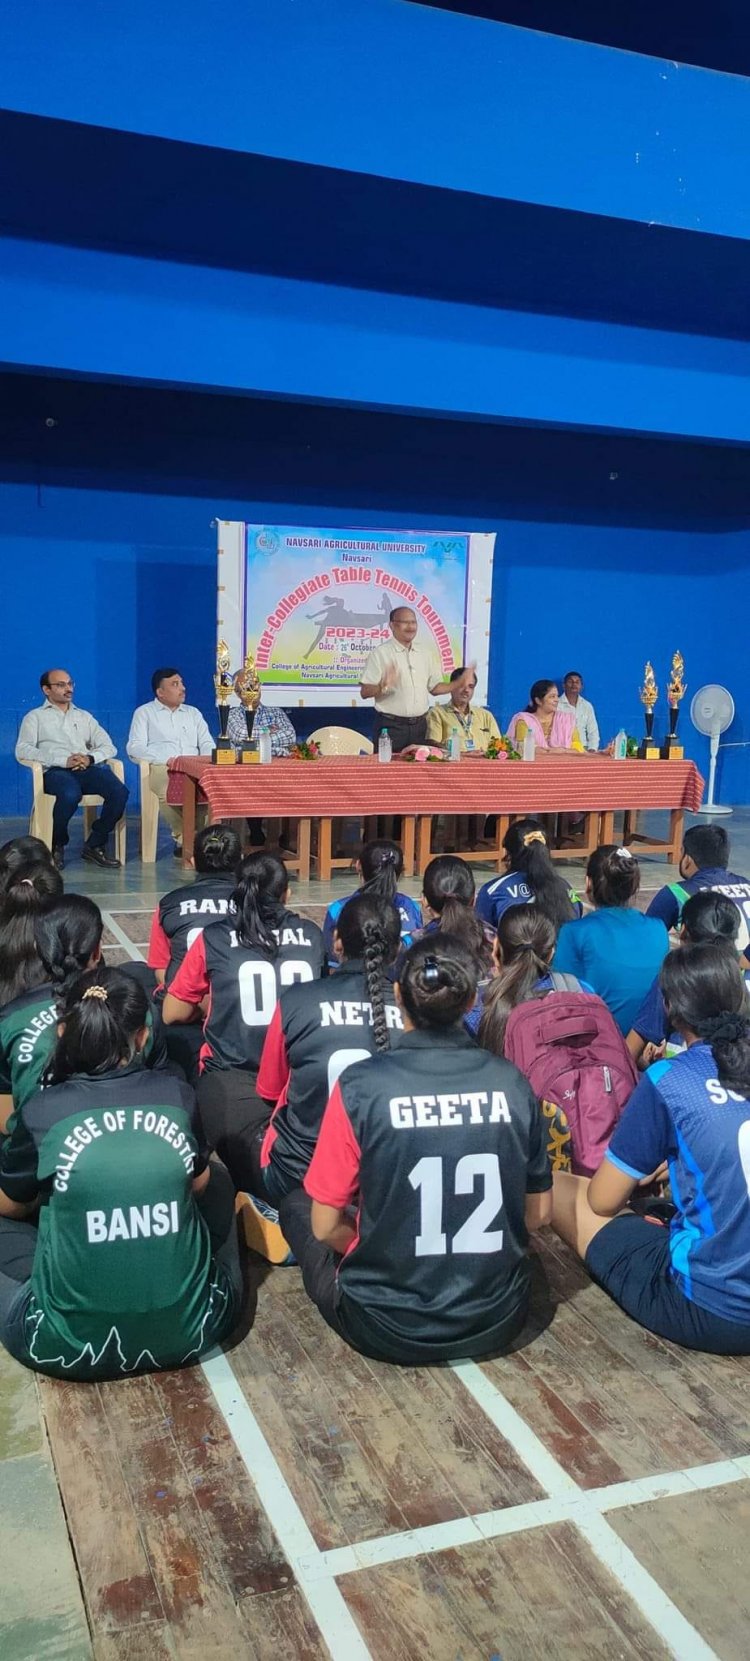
x: 162, y: 730
x: 586, y: 722
x: 73, y: 750
x: 402, y: 675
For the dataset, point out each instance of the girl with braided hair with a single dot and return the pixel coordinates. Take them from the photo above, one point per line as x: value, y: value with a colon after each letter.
x: 380, y: 865
x: 440, y: 1146
x: 688, y: 1281
x: 317, y: 1031
x: 118, y: 1240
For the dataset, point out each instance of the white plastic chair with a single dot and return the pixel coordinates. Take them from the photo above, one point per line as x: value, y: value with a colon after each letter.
x: 149, y: 815
x: 42, y: 809
x: 342, y: 741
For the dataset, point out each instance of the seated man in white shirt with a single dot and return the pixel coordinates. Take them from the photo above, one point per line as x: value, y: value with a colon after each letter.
x: 586, y: 722
x: 163, y: 729
x: 73, y: 750
x: 402, y: 675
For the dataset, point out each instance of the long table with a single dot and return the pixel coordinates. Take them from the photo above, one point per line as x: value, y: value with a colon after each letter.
x: 348, y: 787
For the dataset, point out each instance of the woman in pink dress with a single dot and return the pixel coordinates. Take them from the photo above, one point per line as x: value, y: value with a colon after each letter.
x: 553, y: 729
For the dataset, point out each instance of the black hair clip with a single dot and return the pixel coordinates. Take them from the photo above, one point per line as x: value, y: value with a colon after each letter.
x: 431, y: 971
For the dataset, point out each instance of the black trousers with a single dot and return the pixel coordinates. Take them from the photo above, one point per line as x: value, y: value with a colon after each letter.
x: 232, y: 1115
x: 317, y: 1262
x: 404, y: 729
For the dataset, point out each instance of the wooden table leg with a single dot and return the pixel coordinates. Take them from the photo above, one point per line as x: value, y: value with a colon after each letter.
x: 498, y: 852
x: 606, y: 827
x: 189, y: 799
x: 408, y: 834
x: 324, y: 850
x: 303, y: 850
x: 424, y: 840
x: 676, y: 834
x: 590, y: 834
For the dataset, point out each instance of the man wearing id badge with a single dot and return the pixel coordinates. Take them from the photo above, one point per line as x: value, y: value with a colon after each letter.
x: 474, y: 725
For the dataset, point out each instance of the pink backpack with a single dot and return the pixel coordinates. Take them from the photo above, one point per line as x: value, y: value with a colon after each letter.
x: 574, y: 1055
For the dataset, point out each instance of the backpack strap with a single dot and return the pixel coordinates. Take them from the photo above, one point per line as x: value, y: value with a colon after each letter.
x: 563, y: 983
x: 681, y: 895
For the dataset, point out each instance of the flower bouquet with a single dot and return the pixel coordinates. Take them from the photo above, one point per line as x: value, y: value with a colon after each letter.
x: 501, y: 749
x: 306, y: 749
x: 422, y: 752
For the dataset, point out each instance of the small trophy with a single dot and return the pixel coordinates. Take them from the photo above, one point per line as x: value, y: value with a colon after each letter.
x: 648, y: 750
x: 247, y: 687
x: 671, y: 749
x: 223, y: 754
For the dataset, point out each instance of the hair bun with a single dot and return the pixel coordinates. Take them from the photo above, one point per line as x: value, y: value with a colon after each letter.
x: 726, y: 1028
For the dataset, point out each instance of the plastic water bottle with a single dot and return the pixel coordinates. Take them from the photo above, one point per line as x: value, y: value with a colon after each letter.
x: 454, y: 747
x: 385, y: 747
x: 264, y: 746
x: 528, y: 751
x: 620, y: 750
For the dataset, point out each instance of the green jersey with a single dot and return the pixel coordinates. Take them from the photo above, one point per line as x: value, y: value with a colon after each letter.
x: 123, y: 1277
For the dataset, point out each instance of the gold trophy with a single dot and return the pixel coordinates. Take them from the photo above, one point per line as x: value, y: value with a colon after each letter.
x: 223, y: 754
x: 247, y: 687
x: 648, y: 750
x: 671, y: 749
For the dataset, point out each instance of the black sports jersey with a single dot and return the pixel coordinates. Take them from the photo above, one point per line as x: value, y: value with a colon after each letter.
x: 440, y: 1142
x: 244, y: 984
x: 317, y: 1031
x: 181, y: 915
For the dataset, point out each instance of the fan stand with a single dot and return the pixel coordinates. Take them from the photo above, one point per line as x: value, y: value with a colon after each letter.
x: 712, y: 809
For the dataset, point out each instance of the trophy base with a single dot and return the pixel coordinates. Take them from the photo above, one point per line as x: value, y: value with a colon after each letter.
x: 671, y: 749
x: 247, y: 753
x: 224, y: 753
x: 648, y: 750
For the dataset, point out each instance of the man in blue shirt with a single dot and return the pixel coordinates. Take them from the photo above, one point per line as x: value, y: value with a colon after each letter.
x: 689, y: 1282
x: 703, y: 864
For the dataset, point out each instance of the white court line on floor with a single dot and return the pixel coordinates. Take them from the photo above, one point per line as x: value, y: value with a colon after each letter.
x: 334, y: 1619
x: 680, y: 1637
x: 123, y: 939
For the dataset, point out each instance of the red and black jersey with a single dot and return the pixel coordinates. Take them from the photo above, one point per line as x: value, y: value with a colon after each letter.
x: 438, y: 1143
x: 182, y: 915
x: 316, y: 1032
x: 243, y: 985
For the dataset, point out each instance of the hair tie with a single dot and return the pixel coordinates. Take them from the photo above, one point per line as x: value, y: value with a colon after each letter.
x: 388, y: 856
x: 99, y: 992
x: 534, y: 836
x: 430, y: 971
x: 727, y: 1028
x: 624, y: 853
x: 26, y: 882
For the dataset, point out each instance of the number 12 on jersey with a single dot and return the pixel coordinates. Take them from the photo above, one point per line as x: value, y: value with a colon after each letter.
x: 475, y: 1235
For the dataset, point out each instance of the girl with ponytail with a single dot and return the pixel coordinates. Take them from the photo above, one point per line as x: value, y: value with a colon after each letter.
x: 30, y: 889
x: 530, y: 876
x: 448, y: 904
x: 615, y: 947
x: 380, y: 865
x: 440, y: 1147
x: 233, y: 973
x: 134, y: 1265
x: 320, y: 1029
x: 524, y: 948
x: 690, y: 1281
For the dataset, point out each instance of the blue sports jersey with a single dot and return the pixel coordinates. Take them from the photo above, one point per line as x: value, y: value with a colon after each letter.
x: 499, y: 895
x: 408, y: 910
x: 618, y: 951
x: 680, y: 1112
x: 668, y: 906
x: 652, y: 1022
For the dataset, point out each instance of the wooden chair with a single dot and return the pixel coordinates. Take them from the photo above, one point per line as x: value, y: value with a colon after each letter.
x: 42, y: 808
x: 149, y: 815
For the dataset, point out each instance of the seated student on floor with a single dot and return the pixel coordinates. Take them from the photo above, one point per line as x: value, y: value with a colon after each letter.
x: 703, y: 864
x: 316, y: 1032
x: 21, y: 851
x: 442, y: 1149
x: 530, y: 875
x: 236, y: 970
x: 448, y: 891
x: 380, y: 864
x: 522, y: 952
x: 707, y: 915
x: 690, y: 1281
x: 134, y: 1264
x: 614, y: 947
x: 181, y: 916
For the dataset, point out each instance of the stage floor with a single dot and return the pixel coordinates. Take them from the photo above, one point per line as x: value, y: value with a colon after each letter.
x: 587, y: 1496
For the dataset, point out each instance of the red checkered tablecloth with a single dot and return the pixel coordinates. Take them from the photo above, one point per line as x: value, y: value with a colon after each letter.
x: 340, y: 787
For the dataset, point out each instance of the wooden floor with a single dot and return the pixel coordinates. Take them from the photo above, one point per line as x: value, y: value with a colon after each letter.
x: 585, y: 1497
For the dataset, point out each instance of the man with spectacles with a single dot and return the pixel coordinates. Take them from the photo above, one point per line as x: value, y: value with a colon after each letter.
x: 73, y: 750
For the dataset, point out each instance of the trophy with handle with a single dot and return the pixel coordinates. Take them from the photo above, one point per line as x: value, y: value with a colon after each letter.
x: 223, y: 753
x: 649, y: 692
x: 247, y: 687
x: 671, y: 749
